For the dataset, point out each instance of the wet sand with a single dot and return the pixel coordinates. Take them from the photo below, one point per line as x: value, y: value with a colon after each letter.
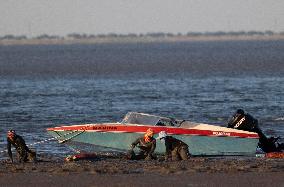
x: 118, y: 171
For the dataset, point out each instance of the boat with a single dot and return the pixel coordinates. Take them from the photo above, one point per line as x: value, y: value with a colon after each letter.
x: 202, y: 139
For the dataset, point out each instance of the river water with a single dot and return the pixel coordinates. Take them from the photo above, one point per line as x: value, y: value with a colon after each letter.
x: 49, y: 85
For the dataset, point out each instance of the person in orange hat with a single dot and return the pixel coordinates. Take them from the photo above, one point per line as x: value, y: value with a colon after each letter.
x: 19, y: 143
x: 146, y: 144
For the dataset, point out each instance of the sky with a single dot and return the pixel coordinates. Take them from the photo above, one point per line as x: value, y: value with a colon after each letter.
x: 62, y: 17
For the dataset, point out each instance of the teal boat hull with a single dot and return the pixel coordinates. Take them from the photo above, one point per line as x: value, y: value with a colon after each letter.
x: 198, y: 145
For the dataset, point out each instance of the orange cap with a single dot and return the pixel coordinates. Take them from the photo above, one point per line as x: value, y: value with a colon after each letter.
x: 149, y: 132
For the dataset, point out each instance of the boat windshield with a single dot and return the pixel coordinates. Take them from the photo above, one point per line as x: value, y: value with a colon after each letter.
x: 147, y: 119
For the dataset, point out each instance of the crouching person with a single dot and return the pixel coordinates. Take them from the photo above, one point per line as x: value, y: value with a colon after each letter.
x: 24, y: 153
x: 175, y: 149
x: 146, y: 145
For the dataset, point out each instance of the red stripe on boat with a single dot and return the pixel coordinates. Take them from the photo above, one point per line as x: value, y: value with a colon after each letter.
x: 157, y: 129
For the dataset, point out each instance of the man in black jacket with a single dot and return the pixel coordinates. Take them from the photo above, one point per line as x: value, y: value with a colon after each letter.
x: 19, y: 143
x: 175, y: 149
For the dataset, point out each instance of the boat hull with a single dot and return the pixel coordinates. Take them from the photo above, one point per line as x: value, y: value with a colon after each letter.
x: 199, y: 144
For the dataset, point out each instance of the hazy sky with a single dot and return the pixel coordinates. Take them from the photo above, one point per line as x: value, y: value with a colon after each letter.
x: 61, y: 17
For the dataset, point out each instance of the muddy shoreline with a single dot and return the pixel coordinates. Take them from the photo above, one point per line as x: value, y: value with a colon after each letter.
x: 118, y: 171
x: 146, y: 39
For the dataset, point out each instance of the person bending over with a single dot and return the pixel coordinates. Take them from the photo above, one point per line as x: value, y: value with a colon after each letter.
x: 18, y: 142
x: 146, y: 145
x: 175, y: 149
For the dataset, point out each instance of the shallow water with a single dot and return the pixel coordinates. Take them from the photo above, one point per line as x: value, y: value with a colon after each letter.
x: 45, y: 86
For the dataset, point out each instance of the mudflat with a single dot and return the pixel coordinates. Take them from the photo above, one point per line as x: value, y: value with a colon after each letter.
x: 105, y: 170
x: 145, y: 39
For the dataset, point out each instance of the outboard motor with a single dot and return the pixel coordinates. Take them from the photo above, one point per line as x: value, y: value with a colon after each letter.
x: 244, y: 121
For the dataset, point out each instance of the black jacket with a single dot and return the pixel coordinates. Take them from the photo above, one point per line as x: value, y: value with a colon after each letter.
x: 172, y: 143
x: 19, y: 143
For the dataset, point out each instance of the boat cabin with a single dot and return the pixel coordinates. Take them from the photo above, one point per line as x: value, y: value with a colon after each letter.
x: 148, y: 119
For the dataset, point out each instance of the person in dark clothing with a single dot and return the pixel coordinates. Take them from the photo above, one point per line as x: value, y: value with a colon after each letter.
x: 244, y: 121
x: 175, y: 149
x: 19, y: 143
x: 147, y: 146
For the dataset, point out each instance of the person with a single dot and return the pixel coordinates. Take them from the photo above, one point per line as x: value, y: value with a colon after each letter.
x: 24, y: 153
x: 147, y: 146
x: 175, y: 149
x: 244, y: 121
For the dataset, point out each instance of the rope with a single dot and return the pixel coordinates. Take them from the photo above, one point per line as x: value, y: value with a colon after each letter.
x: 73, y: 149
x: 57, y: 138
x: 63, y: 141
x: 71, y: 132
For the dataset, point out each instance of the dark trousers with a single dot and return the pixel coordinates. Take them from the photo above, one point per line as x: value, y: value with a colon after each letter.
x: 22, y: 155
x: 141, y: 155
x: 26, y: 155
x: 180, y: 153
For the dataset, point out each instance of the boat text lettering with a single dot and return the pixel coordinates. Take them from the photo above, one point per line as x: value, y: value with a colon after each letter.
x: 240, y: 122
x: 220, y: 133
x: 105, y: 128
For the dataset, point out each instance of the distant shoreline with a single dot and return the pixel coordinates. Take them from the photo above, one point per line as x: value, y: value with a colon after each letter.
x: 144, y: 39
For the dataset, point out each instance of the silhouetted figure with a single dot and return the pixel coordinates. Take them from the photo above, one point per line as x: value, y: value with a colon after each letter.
x: 19, y: 143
